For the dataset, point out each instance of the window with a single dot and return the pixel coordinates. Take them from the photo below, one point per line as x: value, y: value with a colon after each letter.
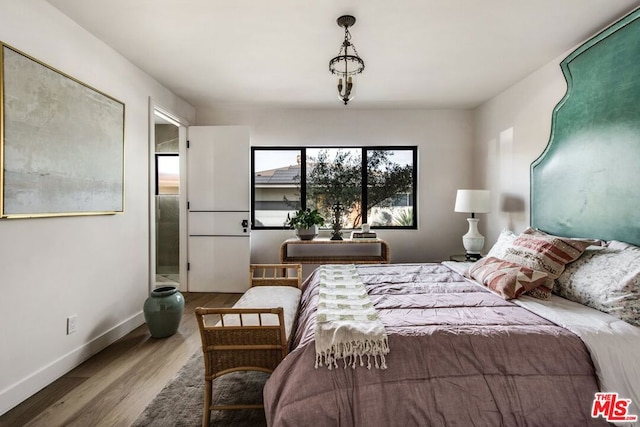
x: 167, y: 174
x: 390, y: 202
x: 275, y: 186
x: 381, y: 178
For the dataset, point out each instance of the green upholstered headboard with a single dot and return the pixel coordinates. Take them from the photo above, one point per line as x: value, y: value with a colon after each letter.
x: 586, y: 183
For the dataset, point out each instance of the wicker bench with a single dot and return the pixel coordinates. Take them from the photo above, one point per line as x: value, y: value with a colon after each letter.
x: 253, y: 335
x: 275, y: 275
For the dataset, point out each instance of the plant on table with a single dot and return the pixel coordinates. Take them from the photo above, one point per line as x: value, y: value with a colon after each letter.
x: 306, y: 222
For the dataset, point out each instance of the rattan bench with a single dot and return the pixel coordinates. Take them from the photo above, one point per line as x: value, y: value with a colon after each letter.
x: 275, y: 275
x: 253, y: 335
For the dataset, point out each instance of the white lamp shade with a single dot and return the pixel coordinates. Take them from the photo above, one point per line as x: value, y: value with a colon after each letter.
x: 473, y: 201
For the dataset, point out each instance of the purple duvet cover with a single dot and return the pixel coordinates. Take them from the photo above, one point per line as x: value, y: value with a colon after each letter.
x: 459, y: 356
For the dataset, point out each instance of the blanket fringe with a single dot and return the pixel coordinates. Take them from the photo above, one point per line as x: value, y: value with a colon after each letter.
x: 352, y: 352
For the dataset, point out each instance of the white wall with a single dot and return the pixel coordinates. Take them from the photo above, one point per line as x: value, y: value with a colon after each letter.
x: 96, y: 267
x: 511, y: 131
x: 443, y: 138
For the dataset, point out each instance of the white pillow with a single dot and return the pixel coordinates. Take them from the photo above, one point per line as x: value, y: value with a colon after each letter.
x: 505, y: 239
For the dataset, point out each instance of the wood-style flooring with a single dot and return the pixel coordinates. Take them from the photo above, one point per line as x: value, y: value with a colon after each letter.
x: 113, y: 387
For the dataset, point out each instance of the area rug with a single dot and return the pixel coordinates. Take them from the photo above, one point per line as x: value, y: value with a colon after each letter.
x: 180, y: 402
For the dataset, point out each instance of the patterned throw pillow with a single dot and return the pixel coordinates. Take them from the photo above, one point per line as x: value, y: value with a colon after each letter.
x: 507, y: 279
x: 607, y: 279
x: 544, y: 252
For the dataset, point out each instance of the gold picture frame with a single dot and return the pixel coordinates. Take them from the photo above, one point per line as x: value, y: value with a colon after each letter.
x: 61, y: 143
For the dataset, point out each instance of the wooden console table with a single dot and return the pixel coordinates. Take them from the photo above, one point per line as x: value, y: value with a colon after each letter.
x: 326, y: 251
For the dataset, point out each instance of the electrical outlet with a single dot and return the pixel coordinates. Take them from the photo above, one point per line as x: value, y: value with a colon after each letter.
x: 72, y: 323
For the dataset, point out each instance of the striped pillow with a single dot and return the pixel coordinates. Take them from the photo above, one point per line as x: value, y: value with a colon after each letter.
x: 545, y: 253
x: 507, y: 279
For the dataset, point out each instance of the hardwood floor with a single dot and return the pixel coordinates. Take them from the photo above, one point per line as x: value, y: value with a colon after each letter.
x: 113, y: 387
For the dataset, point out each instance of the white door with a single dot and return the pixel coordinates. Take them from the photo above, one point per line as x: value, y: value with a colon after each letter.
x: 218, y: 185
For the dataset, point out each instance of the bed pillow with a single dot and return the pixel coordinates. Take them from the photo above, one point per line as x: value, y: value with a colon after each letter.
x: 505, y: 278
x: 505, y: 239
x: 546, y: 253
x: 537, y: 232
x: 607, y: 279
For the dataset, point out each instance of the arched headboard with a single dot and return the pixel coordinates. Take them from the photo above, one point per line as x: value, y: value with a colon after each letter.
x: 586, y: 183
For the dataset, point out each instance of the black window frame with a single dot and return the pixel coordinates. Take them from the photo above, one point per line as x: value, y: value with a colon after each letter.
x: 303, y: 173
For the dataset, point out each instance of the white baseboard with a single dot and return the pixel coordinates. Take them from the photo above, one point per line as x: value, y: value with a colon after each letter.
x: 25, y: 388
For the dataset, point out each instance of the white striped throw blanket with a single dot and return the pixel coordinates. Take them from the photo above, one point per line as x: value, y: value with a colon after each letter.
x: 347, y: 324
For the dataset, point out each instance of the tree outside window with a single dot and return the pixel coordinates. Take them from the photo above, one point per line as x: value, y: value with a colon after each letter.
x: 390, y: 186
x: 335, y: 176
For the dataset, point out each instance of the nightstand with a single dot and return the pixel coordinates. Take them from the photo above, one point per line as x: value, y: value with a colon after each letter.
x: 461, y: 258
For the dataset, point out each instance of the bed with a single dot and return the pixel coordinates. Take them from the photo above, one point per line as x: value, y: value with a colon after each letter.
x: 527, y: 335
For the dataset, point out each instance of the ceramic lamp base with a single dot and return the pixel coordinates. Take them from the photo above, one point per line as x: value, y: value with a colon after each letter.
x: 473, y: 241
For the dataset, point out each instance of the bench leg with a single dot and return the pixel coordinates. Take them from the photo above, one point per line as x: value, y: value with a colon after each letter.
x: 206, y: 414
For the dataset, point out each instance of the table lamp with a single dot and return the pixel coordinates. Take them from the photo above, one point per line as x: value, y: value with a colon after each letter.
x: 473, y: 202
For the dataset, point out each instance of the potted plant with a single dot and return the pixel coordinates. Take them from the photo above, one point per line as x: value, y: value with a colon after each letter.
x: 306, y: 223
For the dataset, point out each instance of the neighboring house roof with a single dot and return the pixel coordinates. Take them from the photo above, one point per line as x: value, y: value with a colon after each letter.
x: 287, y: 175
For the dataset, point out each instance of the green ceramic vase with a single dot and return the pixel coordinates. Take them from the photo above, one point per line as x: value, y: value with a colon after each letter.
x: 163, y: 311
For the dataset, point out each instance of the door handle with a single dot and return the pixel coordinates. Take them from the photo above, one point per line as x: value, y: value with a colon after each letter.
x: 245, y: 225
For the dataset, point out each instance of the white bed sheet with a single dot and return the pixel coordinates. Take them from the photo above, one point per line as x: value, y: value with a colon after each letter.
x: 614, y: 345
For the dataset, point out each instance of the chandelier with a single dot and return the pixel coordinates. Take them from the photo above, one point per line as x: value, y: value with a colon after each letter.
x: 347, y: 63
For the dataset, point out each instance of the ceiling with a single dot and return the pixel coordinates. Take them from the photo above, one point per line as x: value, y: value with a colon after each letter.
x: 275, y: 53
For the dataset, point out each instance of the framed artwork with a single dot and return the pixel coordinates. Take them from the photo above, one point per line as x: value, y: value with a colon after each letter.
x: 61, y: 143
